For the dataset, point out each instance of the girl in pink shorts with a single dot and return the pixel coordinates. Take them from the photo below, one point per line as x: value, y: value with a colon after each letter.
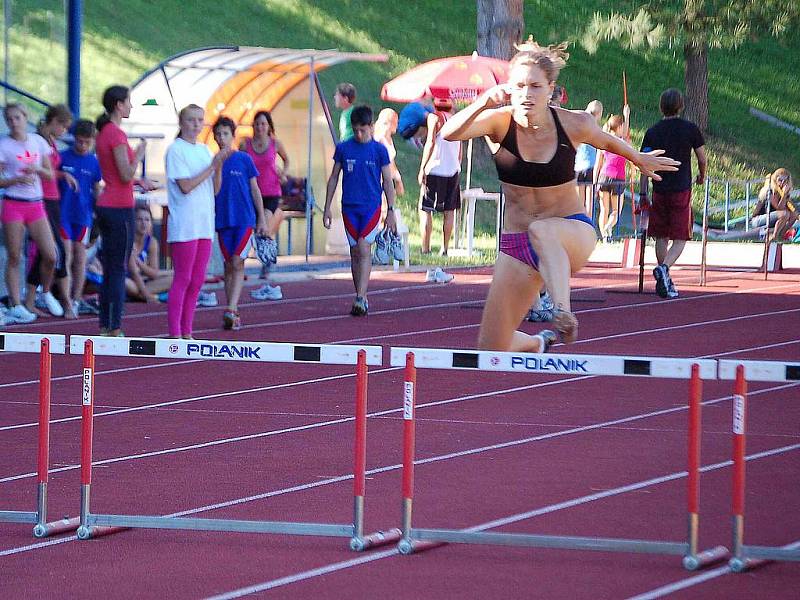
x: 25, y: 161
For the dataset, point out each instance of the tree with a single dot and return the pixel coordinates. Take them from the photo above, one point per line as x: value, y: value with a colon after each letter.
x: 500, y: 26
x: 698, y: 25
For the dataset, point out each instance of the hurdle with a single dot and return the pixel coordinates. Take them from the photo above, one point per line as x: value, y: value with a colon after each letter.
x: 46, y: 345
x: 94, y: 525
x: 418, y: 539
x: 745, y: 556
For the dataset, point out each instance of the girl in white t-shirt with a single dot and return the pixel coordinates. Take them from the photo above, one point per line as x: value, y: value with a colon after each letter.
x: 24, y: 159
x: 193, y: 177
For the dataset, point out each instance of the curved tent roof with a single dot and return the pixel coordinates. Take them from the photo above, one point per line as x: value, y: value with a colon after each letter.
x: 238, y: 81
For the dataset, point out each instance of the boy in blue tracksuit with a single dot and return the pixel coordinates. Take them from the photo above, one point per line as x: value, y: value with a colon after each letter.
x: 366, y: 174
x: 77, y: 204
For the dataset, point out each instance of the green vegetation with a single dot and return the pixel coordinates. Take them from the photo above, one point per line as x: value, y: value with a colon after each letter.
x: 122, y: 40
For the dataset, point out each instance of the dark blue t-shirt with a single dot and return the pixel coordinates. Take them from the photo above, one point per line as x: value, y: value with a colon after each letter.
x: 412, y: 117
x: 76, y: 207
x: 676, y: 137
x: 233, y: 206
x: 361, y: 171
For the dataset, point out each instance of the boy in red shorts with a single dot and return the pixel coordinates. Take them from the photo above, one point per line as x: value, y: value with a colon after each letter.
x: 671, y: 210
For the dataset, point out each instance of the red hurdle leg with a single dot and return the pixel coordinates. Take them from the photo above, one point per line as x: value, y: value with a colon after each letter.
x: 409, y: 400
x: 360, y: 467
x: 694, y: 559
x: 87, y: 418
x: 45, y: 363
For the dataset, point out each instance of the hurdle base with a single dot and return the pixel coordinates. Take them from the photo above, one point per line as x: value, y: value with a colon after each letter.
x: 375, y: 540
x: 752, y: 557
x: 712, y: 556
x: 43, y: 530
x: 408, y: 546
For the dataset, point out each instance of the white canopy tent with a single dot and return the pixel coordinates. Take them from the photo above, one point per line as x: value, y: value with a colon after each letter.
x: 238, y: 81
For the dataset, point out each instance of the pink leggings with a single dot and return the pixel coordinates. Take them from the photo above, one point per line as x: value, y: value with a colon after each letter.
x: 189, y: 259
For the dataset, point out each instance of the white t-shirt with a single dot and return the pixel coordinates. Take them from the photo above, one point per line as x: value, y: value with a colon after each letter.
x: 15, y: 156
x: 191, y: 216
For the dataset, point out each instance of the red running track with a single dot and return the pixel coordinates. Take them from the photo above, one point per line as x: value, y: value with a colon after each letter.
x: 582, y: 456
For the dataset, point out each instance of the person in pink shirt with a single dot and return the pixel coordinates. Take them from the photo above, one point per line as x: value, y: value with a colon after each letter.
x: 611, y: 170
x: 114, y: 209
x: 25, y: 163
x: 57, y: 121
x: 264, y: 147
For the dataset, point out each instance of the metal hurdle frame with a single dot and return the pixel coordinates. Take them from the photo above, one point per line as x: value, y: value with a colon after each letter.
x: 46, y: 345
x: 94, y: 525
x: 741, y: 371
x: 694, y: 370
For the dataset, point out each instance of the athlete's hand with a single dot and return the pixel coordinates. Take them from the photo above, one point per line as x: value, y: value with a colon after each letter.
x: 261, y: 229
x: 221, y: 156
x: 71, y: 182
x: 326, y: 218
x: 147, y: 185
x: 650, y: 162
x: 497, y: 96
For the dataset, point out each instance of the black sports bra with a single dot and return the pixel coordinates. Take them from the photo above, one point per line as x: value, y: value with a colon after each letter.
x: 513, y: 169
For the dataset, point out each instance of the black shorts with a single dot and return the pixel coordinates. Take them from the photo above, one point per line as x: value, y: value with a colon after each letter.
x: 615, y: 186
x: 271, y: 203
x: 585, y: 176
x: 53, y: 210
x: 441, y: 193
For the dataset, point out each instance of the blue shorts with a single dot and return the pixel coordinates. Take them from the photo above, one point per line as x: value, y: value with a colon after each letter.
x: 74, y: 232
x: 361, y: 222
x: 235, y: 241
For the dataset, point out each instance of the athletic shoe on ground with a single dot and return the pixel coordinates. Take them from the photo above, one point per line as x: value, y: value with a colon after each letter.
x: 380, y: 252
x: 19, y: 314
x: 545, y: 301
x: 539, y: 316
x: 396, y: 250
x: 437, y: 275
x: 266, y: 249
x: 207, y: 299
x: 661, y: 273
x: 87, y: 307
x: 267, y: 292
x: 231, y: 320
x: 672, y: 291
x: 360, y: 307
x: 38, y: 301
x: 53, y: 306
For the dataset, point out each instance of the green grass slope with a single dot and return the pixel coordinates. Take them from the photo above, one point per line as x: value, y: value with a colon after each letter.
x: 121, y: 40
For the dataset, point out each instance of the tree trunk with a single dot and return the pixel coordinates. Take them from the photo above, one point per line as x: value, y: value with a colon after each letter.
x: 500, y: 26
x: 696, y: 80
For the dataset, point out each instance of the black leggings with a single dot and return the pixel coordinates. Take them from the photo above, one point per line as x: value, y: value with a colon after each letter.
x: 53, y: 210
x: 116, y: 230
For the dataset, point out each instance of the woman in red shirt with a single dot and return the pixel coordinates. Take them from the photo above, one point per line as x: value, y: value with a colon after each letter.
x: 115, y: 218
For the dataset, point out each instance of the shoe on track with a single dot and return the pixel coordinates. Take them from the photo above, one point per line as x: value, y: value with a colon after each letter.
x: 360, y: 307
x: 547, y: 338
x: 268, y: 292
x: 539, y: 316
x: 19, y: 314
x: 672, y: 291
x: 661, y: 274
x: 53, y: 306
x: 231, y: 320
x: 438, y: 275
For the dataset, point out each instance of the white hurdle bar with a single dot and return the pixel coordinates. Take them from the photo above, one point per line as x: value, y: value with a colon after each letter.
x: 741, y: 371
x: 694, y: 370
x: 93, y: 525
x: 45, y: 345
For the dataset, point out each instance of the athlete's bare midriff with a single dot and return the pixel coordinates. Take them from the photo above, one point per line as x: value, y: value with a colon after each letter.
x: 527, y: 204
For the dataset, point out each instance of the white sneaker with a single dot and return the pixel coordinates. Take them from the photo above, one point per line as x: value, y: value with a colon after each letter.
x: 267, y: 292
x: 437, y: 275
x: 19, y: 314
x: 53, y: 306
x: 207, y: 299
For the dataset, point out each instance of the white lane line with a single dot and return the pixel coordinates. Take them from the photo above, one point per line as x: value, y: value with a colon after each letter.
x: 671, y: 588
x: 340, y: 566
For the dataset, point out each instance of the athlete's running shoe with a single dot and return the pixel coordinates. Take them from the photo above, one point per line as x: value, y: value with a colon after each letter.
x: 672, y: 291
x: 19, y: 314
x: 207, y: 299
x: 546, y: 338
x: 380, y: 253
x: 266, y: 249
x: 360, y: 307
x: 231, y: 320
x: 438, y: 275
x: 396, y: 250
x: 267, y: 292
x: 661, y: 274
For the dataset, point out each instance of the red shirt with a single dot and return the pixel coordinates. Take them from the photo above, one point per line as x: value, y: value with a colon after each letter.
x: 50, y: 186
x: 116, y: 194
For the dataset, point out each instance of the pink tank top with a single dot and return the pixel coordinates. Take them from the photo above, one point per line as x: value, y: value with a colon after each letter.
x: 50, y: 186
x: 269, y: 184
x: 613, y: 165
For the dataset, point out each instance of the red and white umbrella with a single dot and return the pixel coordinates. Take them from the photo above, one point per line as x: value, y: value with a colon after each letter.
x: 460, y: 78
